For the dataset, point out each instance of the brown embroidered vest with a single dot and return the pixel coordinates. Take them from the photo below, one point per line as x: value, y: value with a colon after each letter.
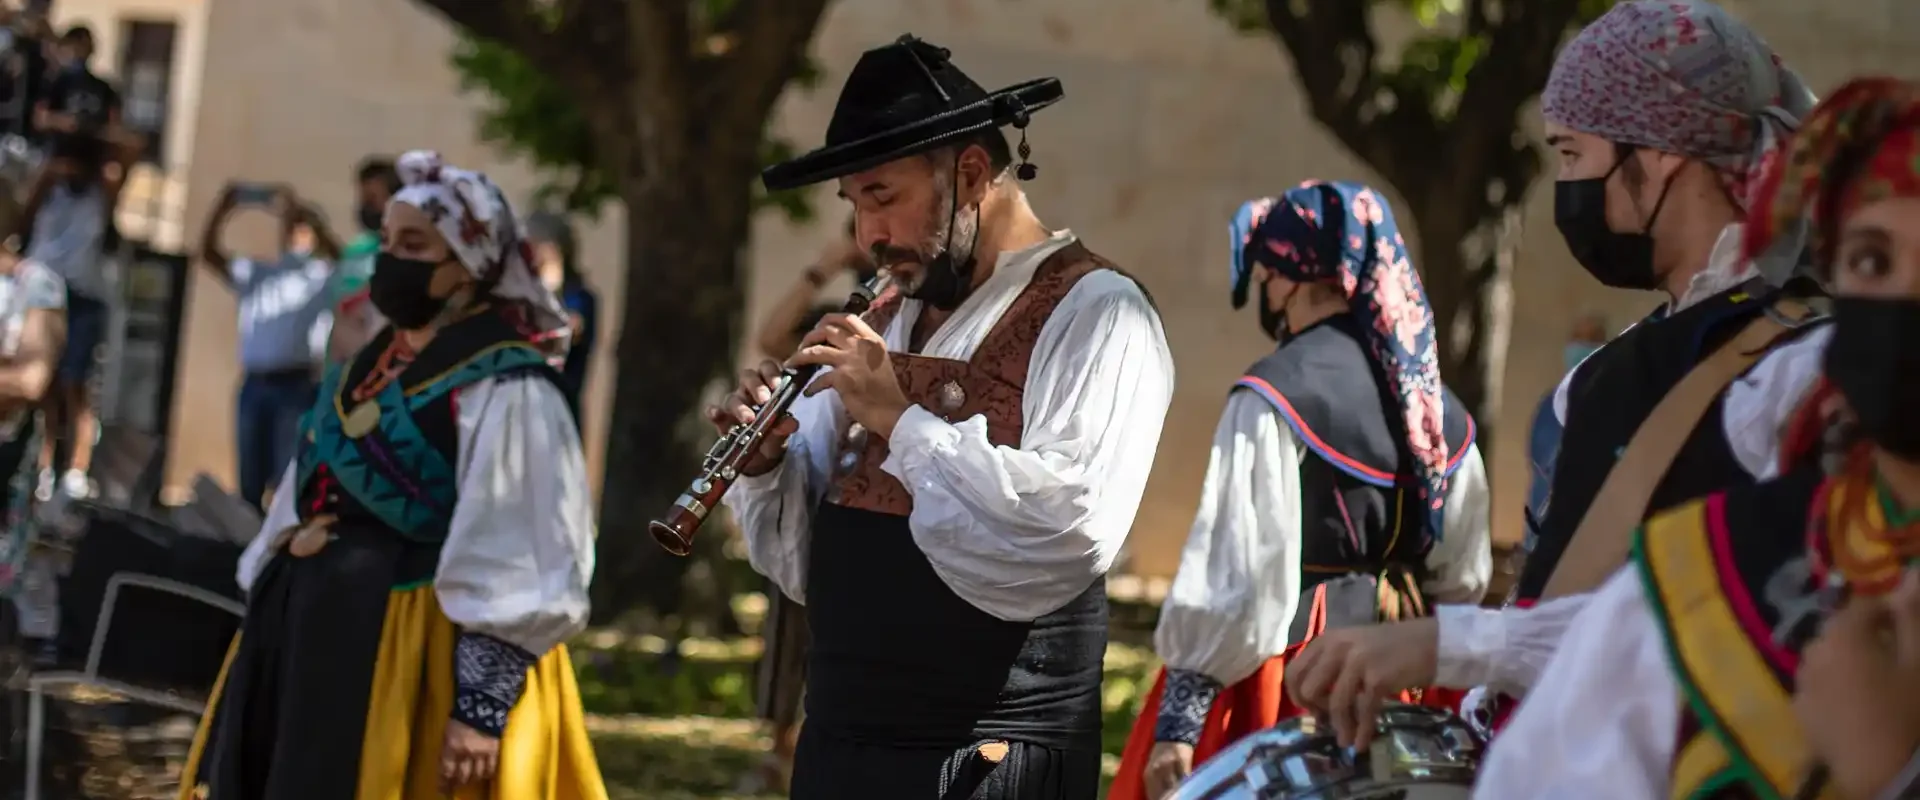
x: 990, y: 384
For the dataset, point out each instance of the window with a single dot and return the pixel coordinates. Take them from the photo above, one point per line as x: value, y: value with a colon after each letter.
x: 146, y: 71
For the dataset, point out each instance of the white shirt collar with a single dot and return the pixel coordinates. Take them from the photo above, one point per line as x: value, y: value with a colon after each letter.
x: 1725, y: 270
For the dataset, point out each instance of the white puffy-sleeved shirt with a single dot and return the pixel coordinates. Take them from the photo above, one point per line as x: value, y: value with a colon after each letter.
x: 1506, y: 649
x: 519, y: 552
x: 1015, y: 532
x: 1233, y: 600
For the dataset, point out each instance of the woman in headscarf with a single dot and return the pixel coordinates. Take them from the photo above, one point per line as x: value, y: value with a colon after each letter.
x: 1344, y: 488
x: 1696, y: 650
x: 431, y: 545
x: 1663, y: 113
x: 556, y: 258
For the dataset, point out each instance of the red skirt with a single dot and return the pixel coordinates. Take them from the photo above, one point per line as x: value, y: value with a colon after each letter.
x: 1254, y: 704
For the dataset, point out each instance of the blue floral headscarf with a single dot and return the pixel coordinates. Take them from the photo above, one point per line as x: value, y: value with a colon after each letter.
x: 1343, y: 234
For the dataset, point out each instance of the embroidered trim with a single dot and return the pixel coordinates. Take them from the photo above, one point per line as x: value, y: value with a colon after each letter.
x: 1184, y: 704
x: 489, y: 676
x: 1726, y: 681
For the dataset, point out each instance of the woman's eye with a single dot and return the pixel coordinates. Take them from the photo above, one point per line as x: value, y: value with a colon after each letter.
x: 1871, y: 262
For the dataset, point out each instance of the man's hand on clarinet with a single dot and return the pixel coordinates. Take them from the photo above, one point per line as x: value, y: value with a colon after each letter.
x: 861, y: 371
x: 756, y: 388
x: 1345, y: 675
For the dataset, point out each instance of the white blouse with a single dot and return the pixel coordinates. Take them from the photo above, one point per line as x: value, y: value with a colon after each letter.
x: 1016, y: 532
x: 1603, y: 720
x: 1232, y: 603
x: 519, y: 553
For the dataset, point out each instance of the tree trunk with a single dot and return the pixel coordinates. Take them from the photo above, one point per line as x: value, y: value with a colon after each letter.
x: 1466, y: 266
x: 683, y: 303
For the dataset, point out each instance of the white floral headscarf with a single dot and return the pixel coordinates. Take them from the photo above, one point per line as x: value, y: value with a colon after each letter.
x: 481, y: 230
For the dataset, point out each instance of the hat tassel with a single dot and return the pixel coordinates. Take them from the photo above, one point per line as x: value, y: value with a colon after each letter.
x: 1026, y: 170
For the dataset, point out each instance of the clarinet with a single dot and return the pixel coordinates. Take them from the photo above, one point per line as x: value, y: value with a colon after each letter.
x: 722, y: 464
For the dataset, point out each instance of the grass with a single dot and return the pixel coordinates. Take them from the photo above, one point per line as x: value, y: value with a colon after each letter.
x: 682, y: 728
x: 665, y: 727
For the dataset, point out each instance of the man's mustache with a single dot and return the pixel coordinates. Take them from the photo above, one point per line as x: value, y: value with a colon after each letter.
x: 884, y: 256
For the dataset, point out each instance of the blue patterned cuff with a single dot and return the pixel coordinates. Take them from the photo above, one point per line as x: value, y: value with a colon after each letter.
x: 489, y: 675
x: 1184, y: 704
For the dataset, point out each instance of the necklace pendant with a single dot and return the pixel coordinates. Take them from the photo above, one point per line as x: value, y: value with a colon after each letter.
x: 362, y: 419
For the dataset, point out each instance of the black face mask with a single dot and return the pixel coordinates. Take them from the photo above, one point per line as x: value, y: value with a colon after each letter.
x: 370, y: 217
x: 401, y: 290
x: 1273, y: 321
x: 1619, y: 260
x: 1874, y: 360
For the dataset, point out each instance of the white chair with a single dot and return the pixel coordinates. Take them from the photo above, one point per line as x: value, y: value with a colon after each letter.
x: 39, y: 683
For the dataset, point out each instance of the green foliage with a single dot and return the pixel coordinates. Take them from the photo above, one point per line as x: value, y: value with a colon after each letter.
x: 1432, y: 68
x: 528, y: 114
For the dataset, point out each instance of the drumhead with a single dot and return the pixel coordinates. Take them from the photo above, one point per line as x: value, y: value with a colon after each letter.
x: 1417, y: 753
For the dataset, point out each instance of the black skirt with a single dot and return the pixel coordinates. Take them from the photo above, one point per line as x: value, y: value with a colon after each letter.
x: 291, y: 714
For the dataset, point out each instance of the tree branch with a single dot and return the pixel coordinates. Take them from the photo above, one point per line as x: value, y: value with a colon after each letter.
x: 1332, y: 47
x: 768, y: 45
x: 517, y: 25
x: 1521, y: 39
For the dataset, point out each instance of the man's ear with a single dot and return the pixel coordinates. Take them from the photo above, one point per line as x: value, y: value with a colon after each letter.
x: 975, y: 172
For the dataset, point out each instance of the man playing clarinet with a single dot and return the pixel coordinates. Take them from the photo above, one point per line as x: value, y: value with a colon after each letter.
x: 949, y: 493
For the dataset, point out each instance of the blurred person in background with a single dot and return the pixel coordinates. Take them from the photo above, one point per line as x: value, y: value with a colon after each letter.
x: 68, y: 211
x: 33, y: 330
x: 799, y: 308
x: 23, y: 67
x: 556, y: 257
x: 1543, y: 438
x: 76, y: 100
x: 355, y: 320
x: 284, y: 321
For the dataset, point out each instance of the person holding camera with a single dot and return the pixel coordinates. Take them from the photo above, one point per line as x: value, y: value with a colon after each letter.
x: 285, y: 320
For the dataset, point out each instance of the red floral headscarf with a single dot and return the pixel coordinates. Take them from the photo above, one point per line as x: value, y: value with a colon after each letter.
x: 1861, y: 145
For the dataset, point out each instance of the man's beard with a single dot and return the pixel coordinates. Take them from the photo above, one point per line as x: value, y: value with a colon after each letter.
x: 945, y: 257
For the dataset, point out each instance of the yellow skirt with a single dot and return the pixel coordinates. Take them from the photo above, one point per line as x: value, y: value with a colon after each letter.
x: 544, y: 755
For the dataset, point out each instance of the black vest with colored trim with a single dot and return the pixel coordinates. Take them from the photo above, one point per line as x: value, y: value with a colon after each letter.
x: 1613, y: 391
x: 488, y: 344
x: 1358, y: 507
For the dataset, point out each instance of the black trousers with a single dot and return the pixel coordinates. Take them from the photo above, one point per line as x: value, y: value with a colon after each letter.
x: 831, y: 767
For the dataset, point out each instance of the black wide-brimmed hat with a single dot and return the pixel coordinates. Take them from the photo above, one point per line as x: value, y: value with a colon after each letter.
x: 904, y: 99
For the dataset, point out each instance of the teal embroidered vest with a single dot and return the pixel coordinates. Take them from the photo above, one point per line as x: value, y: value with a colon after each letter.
x: 390, y: 459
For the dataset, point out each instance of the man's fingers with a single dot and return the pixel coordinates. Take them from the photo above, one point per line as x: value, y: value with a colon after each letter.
x: 1309, y: 674
x: 820, y: 384
x: 1366, y: 709
x: 819, y: 354
x: 1340, y: 701
x: 786, y: 426
x: 753, y: 386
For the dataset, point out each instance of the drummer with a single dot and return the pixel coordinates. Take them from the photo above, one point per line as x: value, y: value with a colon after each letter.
x: 1679, y: 677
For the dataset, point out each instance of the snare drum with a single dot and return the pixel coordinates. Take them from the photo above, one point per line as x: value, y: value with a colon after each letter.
x: 1417, y: 753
